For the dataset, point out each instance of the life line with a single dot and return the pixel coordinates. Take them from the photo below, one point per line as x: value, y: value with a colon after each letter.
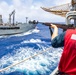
x: 8, y: 67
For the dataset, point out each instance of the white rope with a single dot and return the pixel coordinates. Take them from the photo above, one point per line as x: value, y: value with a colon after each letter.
x: 6, y: 68
x: 55, y: 71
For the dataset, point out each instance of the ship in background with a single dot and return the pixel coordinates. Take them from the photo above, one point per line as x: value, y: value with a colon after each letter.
x: 15, y: 28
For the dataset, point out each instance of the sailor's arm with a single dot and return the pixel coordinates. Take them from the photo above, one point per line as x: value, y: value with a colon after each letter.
x: 57, y: 40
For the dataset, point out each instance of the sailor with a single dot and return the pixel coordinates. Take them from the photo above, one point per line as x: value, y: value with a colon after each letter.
x: 67, y: 64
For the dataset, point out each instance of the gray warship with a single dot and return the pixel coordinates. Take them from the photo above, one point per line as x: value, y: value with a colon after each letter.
x: 11, y: 27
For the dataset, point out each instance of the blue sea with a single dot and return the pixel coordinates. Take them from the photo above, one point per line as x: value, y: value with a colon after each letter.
x: 20, y: 47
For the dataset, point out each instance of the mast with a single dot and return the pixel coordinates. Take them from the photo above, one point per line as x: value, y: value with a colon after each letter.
x: 26, y: 19
x: 1, y: 21
x: 13, y: 15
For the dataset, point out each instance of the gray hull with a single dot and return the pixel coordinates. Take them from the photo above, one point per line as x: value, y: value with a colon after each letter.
x: 16, y: 29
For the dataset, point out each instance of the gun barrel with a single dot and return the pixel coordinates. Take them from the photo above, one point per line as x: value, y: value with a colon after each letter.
x: 62, y: 26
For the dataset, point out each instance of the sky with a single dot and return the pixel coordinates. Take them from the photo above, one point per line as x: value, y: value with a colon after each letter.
x: 30, y: 9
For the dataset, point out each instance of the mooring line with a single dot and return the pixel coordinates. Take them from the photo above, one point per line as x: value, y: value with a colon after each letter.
x: 6, y: 68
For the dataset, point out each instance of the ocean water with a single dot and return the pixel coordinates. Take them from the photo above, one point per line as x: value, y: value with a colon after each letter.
x: 16, y: 52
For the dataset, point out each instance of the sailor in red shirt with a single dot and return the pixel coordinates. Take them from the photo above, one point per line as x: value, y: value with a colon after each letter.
x: 67, y: 64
